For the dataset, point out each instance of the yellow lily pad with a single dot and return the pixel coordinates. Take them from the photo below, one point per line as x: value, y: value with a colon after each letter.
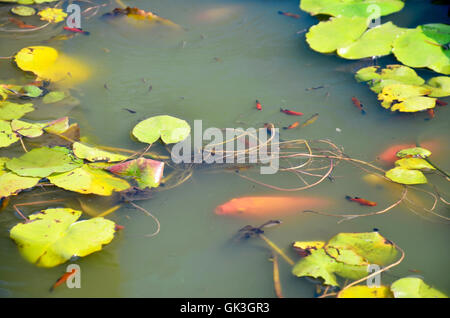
x: 94, y: 154
x: 406, y: 98
x: 26, y: 129
x: 7, y: 136
x: 52, y: 237
x: 11, y: 183
x: 10, y: 111
x: 414, y: 163
x: 406, y: 176
x: 417, y: 152
x: 366, y: 292
x: 52, y: 15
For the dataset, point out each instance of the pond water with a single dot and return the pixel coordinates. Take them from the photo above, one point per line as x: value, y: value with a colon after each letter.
x: 231, y: 53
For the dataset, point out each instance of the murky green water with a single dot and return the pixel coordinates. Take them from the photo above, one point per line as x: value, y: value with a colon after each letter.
x: 214, y: 71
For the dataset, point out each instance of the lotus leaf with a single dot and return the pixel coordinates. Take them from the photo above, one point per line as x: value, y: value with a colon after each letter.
x: 53, y: 236
x: 406, y: 176
x: 414, y: 287
x: 89, y: 180
x: 170, y: 129
x: 42, y: 162
x: 146, y: 172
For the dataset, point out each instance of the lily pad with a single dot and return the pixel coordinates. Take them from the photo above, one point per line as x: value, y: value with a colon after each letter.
x: 9, y: 110
x: 366, y: 292
x: 23, y: 11
x: 94, y: 154
x: 350, y: 8
x: 42, y: 162
x: 57, y: 126
x: 328, y: 36
x: 52, y: 237
x: 32, y: 91
x: 422, y: 47
x: 50, y: 65
x: 52, y: 15
x: 414, y: 287
x: 11, y: 184
x: 392, y: 74
x: 147, y: 172
x: 89, y: 180
x: 439, y: 86
x: 414, y: 163
x: 170, y: 129
x: 406, y: 98
x: 26, y: 129
x: 7, y: 136
x: 53, y: 97
x: 376, y: 41
x: 406, y: 176
x: 417, y: 152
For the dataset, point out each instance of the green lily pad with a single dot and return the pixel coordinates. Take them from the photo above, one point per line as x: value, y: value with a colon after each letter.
x: 417, y: 152
x: 328, y: 36
x: 414, y: 287
x: 7, y: 136
x: 11, y: 184
x: 406, y: 176
x: 26, y: 129
x: 52, y: 237
x: 147, y: 172
x: 89, y: 180
x: 23, y: 11
x: 42, y: 162
x: 10, y: 111
x: 346, y: 255
x: 53, y: 97
x: 414, y: 163
x: 350, y: 8
x: 32, y: 91
x: 421, y: 47
x: 94, y: 154
x: 376, y: 41
x: 439, y: 86
x: 170, y: 129
x: 392, y: 74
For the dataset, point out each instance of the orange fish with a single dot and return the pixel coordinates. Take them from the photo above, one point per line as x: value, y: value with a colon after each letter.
x: 388, y: 156
x: 361, y: 201
x: 258, y: 105
x: 292, y: 125
x: 63, y: 278
x: 430, y: 113
x: 266, y: 206
x: 358, y: 104
x: 21, y: 24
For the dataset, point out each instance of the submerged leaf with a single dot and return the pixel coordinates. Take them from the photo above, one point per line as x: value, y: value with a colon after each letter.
x: 147, y: 172
x: 170, y: 129
x: 94, y: 154
x: 11, y: 184
x: 406, y: 176
x: 89, y: 180
x: 42, y: 162
x: 414, y: 287
x: 9, y: 110
x: 52, y: 237
x: 53, y: 97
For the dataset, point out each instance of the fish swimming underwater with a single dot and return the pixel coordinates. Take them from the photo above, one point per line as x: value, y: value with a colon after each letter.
x: 267, y: 206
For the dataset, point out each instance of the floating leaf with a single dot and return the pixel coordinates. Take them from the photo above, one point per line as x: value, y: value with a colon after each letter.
x: 406, y: 176
x: 376, y: 41
x: 417, y: 152
x: 3, y: 160
x: 366, y: 292
x: 305, y: 248
x: 94, y: 154
x: 42, y: 162
x: 23, y: 11
x: 11, y: 184
x: 9, y: 110
x: 52, y: 15
x: 350, y: 8
x: 26, y: 129
x: 32, y: 91
x: 422, y: 47
x: 89, y: 180
x: 439, y: 86
x: 141, y: 15
x: 414, y: 287
x: 406, y: 98
x: 57, y: 126
x: 392, y: 74
x: 328, y: 36
x: 53, y: 97
x: 7, y: 136
x: 414, y: 163
x: 49, y: 65
x: 146, y: 172
x: 170, y: 129
x: 52, y: 237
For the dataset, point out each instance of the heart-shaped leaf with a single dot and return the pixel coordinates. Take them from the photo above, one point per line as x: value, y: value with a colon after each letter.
x: 170, y: 129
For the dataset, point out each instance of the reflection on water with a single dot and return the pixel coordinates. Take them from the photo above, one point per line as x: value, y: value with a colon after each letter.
x: 231, y: 53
